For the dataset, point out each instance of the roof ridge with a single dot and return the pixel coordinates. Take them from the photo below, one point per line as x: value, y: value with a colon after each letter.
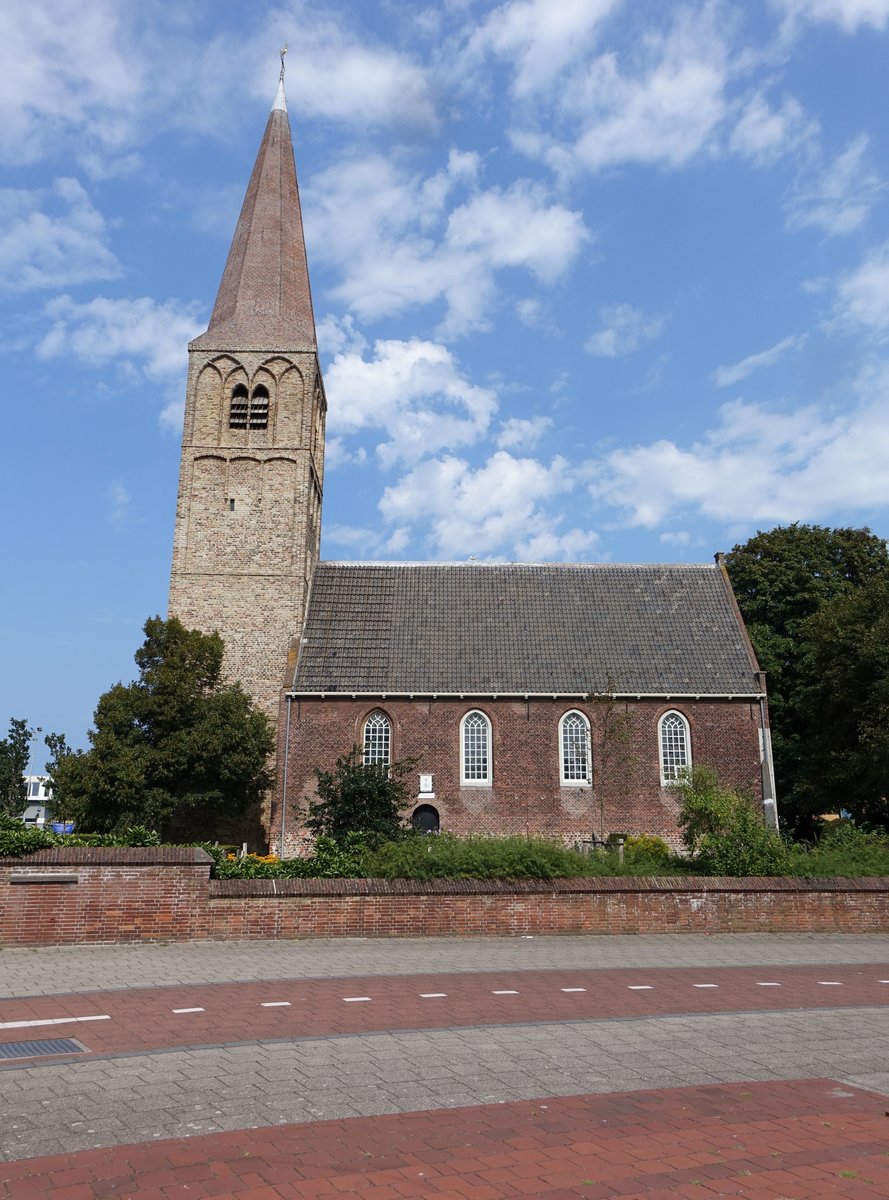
x: 372, y: 562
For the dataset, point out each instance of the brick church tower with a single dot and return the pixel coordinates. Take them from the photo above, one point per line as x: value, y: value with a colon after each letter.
x: 248, y: 517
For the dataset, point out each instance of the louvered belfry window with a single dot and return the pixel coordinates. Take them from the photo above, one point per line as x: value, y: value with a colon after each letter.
x: 259, y: 407
x: 377, y: 740
x: 249, y: 411
x: 240, y: 408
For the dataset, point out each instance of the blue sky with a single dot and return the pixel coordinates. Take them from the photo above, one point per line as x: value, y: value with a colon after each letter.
x: 594, y: 280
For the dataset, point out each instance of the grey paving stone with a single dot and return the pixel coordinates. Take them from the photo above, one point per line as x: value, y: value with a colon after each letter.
x: 249, y: 1086
x: 53, y: 970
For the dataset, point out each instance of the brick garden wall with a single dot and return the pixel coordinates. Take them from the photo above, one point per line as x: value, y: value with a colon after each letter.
x: 525, y: 796
x: 84, y: 897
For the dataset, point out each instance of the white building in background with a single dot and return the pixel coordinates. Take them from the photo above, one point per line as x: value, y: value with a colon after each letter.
x: 39, y: 793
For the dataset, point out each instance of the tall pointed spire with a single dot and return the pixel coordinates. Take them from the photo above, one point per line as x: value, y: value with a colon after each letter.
x: 265, y: 300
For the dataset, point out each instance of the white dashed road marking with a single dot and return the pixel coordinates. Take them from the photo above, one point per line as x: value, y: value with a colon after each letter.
x: 505, y: 992
x: 51, y: 1021
x: 573, y: 989
x: 640, y: 987
x: 433, y: 995
x: 276, y: 1004
x: 768, y: 985
x: 705, y: 985
x: 354, y: 999
x: 188, y: 1010
x: 829, y: 983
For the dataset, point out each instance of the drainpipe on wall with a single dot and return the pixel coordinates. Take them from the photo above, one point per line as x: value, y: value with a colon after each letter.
x: 769, y: 802
x: 284, y: 776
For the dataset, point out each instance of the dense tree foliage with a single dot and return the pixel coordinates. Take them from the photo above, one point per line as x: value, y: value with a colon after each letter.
x: 14, y: 755
x: 179, y: 750
x: 782, y: 578
x: 361, y: 798
x: 844, y: 709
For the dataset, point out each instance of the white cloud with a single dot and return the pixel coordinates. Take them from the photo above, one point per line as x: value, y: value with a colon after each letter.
x: 339, y: 75
x: 842, y: 195
x: 521, y: 433
x: 141, y: 333
x: 758, y: 466
x: 676, y: 537
x: 414, y: 392
x: 142, y: 336
x: 65, y: 68
x: 863, y: 294
x: 398, y: 243
x: 52, y: 238
x: 496, y: 510
x: 539, y: 38
x: 119, y: 502
x: 624, y: 330
x: 849, y: 15
x: 662, y: 103
x: 763, y: 134
x: 728, y: 375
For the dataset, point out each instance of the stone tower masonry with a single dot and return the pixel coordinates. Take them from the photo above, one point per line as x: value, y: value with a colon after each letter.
x: 248, y: 517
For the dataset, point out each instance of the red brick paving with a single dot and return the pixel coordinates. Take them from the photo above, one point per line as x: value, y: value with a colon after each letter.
x: 142, y: 1018
x: 799, y: 1140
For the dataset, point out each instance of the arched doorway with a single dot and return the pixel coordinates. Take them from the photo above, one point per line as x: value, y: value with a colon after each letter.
x: 424, y: 819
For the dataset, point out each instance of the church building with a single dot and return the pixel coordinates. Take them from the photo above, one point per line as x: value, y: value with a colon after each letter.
x: 547, y: 698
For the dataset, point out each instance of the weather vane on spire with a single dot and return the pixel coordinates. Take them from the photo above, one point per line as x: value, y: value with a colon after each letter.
x: 283, y: 52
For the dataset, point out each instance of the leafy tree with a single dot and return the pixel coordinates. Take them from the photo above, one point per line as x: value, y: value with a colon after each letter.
x: 844, y: 708
x: 725, y: 831
x: 781, y: 578
x: 14, y: 755
x: 179, y: 750
x: 361, y: 798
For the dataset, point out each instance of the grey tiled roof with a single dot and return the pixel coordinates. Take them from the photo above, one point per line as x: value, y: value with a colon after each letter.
x: 482, y: 628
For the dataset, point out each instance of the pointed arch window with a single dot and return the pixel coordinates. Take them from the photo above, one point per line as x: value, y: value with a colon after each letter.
x: 259, y: 407
x: 475, y: 750
x: 240, y: 408
x: 249, y: 411
x: 674, y: 739
x: 377, y: 740
x: 575, y: 768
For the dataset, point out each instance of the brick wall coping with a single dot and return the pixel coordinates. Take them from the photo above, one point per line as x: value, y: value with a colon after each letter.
x: 222, y: 889
x: 112, y: 856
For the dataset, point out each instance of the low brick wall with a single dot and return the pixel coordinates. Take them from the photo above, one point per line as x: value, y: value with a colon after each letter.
x: 89, y: 896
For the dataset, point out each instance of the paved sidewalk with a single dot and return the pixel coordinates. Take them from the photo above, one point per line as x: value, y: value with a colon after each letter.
x: 103, y: 1102
x: 775, y: 1141
x: 51, y: 970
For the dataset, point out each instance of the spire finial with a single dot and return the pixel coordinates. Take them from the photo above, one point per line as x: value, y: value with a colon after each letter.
x: 280, y: 100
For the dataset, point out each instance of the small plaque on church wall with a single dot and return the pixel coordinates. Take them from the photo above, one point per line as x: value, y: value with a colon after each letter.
x: 425, y: 783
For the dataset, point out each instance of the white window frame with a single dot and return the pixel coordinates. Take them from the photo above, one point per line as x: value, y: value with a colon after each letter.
x: 487, y: 780
x: 377, y: 717
x: 564, y: 780
x: 670, y: 771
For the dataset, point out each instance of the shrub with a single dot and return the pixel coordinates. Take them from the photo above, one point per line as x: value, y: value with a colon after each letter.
x: 444, y: 856
x: 356, y: 797
x: 724, y: 831
x: 844, y: 849
x: 644, y: 849
x: 17, y: 839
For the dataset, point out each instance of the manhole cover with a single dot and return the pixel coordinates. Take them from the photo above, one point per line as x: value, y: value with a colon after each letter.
x: 38, y: 1049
